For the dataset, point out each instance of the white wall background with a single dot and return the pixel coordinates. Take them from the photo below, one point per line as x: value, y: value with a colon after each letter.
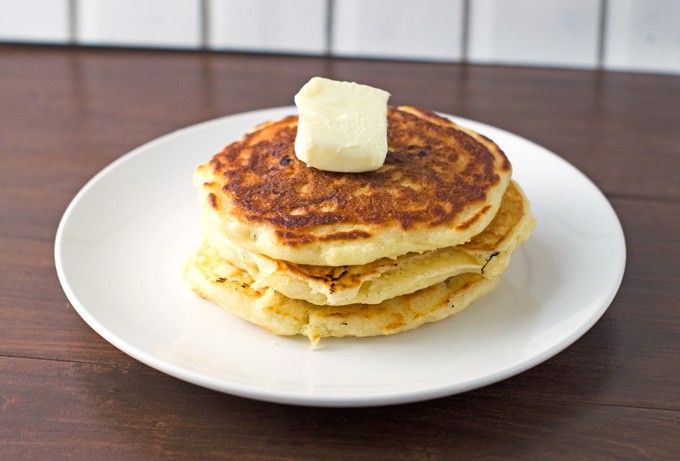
x: 633, y: 35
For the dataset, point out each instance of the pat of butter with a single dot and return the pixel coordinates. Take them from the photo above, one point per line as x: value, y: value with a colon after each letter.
x: 342, y: 126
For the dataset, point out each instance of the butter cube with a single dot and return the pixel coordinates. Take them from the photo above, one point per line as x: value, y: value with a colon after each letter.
x: 342, y: 126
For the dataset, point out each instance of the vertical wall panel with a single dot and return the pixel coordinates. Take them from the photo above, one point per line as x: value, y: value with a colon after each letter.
x: 152, y: 23
x: 297, y: 26
x: 531, y: 32
x: 40, y: 21
x: 643, y: 35
x: 403, y: 29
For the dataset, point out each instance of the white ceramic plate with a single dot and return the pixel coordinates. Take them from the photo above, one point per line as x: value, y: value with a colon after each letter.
x: 123, y: 239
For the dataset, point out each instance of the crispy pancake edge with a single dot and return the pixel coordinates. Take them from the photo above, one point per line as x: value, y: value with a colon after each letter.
x: 226, y: 286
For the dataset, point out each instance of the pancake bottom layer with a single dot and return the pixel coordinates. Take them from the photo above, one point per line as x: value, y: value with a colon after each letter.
x: 229, y: 287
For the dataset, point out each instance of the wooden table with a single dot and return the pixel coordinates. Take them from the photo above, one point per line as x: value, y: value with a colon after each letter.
x: 65, y: 392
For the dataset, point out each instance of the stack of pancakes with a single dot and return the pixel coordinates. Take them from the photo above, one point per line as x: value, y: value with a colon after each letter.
x: 298, y: 250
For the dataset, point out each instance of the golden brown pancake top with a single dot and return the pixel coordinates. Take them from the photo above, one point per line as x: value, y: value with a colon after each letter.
x: 433, y: 172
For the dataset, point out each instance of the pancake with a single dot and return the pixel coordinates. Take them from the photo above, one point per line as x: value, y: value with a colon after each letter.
x: 441, y: 184
x: 231, y: 288
x: 487, y: 254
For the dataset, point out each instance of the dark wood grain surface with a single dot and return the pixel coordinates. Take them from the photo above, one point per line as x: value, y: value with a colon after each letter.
x: 65, y: 393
